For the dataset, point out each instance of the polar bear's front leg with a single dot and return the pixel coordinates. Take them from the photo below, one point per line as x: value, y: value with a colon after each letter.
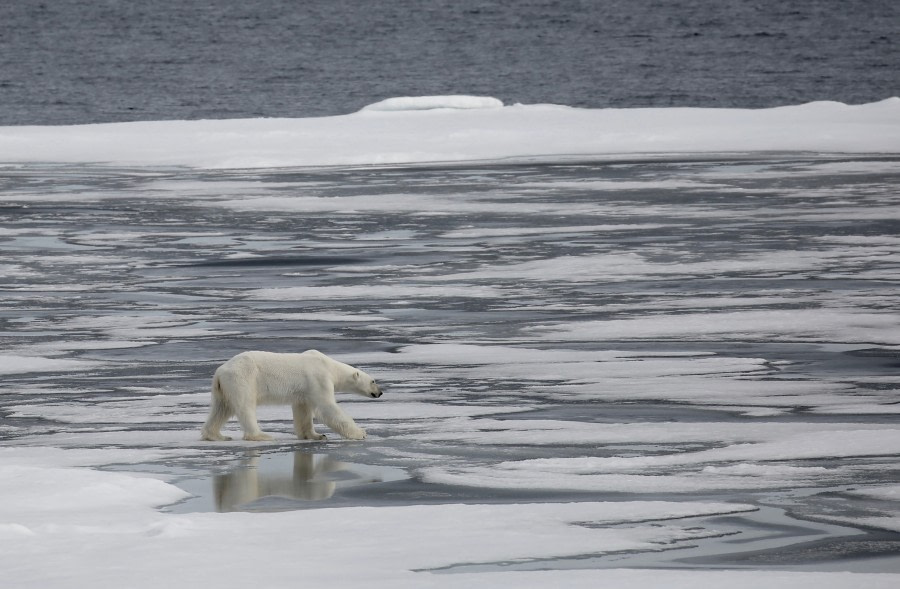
x: 303, y: 423
x: 340, y: 422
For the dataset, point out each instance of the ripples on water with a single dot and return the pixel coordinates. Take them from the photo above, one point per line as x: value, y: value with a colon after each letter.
x: 70, y: 61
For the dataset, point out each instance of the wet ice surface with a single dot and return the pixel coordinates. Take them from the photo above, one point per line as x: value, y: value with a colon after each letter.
x: 710, y: 330
x: 281, y: 480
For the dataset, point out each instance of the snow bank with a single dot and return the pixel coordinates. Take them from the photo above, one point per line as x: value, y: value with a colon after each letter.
x: 457, y: 129
x: 434, y: 102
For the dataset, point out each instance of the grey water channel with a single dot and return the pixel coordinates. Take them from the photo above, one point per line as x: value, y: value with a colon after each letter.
x: 124, y: 288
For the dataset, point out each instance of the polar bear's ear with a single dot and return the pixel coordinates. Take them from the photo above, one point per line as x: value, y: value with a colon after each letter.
x: 356, y: 375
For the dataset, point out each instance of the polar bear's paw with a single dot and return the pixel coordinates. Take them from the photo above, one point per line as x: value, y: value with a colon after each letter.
x: 315, y: 437
x: 206, y: 436
x: 258, y: 437
x: 356, y: 434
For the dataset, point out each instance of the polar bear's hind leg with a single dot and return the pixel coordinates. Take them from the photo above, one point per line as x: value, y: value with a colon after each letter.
x: 247, y: 416
x: 241, y: 398
x: 219, y: 414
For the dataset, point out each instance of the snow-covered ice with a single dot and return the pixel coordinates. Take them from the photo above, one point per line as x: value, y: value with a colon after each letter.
x: 444, y: 129
x: 611, y: 341
x: 408, y: 103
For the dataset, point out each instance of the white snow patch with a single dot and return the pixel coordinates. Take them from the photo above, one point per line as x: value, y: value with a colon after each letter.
x: 332, y: 317
x: 479, y: 233
x: 408, y: 103
x: 14, y: 364
x: 373, y: 291
x: 885, y: 492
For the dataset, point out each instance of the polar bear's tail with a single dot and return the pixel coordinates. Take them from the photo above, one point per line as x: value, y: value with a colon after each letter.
x: 217, y: 388
x: 219, y: 413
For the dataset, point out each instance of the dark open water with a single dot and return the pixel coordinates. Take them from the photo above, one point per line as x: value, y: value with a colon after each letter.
x: 78, y: 61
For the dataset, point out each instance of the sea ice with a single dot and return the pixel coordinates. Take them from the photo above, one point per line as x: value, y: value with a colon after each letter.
x: 651, y: 326
x: 13, y: 364
x: 408, y: 103
x: 107, y: 522
x: 461, y: 133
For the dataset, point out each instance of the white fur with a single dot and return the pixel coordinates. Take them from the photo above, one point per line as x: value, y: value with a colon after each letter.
x: 305, y: 381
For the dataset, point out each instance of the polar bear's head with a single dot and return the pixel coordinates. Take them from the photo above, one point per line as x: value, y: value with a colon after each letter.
x: 365, y: 385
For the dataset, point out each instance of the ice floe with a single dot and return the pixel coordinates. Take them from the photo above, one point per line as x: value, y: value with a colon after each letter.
x: 14, y: 364
x: 398, y: 131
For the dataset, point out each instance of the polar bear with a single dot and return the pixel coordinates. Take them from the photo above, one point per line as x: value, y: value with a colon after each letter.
x: 305, y: 381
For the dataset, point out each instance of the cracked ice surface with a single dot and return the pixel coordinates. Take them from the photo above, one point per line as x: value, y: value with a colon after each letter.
x: 587, y: 365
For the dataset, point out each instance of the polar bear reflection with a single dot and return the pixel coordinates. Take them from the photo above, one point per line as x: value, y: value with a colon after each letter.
x: 313, y: 477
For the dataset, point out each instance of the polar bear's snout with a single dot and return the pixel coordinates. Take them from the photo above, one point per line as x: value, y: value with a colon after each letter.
x: 377, y: 392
